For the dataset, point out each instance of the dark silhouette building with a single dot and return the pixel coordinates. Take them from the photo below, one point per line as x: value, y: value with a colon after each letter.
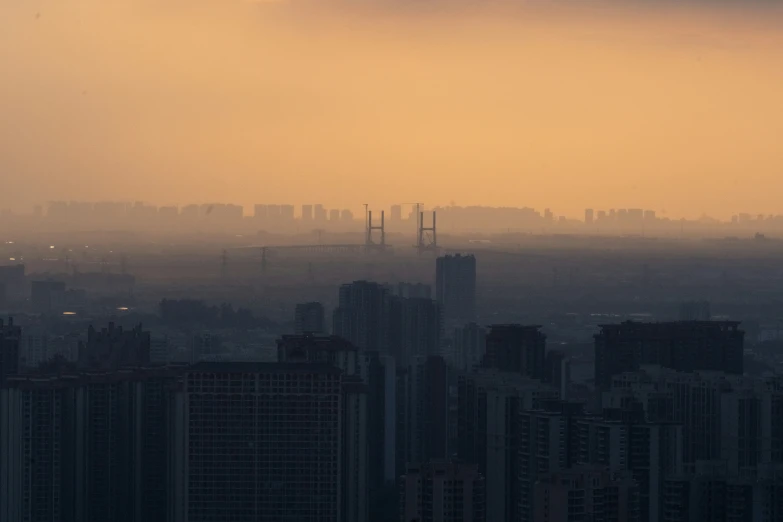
x: 47, y: 296
x: 87, y: 447
x: 695, y: 311
x: 309, y: 318
x: 423, y: 411
x: 455, y: 289
x: 516, y: 348
x: 684, y: 346
x: 415, y: 328
x: 362, y: 316
x: 442, y: 491
x: 266, y: 441
x: 587, y: 493
x: 114, y: 347
x: 10, y: 336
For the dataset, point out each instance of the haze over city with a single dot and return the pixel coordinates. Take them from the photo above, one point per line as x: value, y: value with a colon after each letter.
x: 673, y: 107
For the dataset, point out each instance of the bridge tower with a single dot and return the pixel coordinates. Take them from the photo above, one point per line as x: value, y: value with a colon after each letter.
x: 428, y: 236
x: 369, y: 241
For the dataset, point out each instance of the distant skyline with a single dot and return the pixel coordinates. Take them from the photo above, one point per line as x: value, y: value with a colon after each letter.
x: 673, y: 109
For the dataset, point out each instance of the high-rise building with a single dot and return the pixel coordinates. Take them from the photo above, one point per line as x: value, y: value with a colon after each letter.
x: 546, y: 445
x: 89, y: 447
x: 713, y: 492
x: 265, y: 441
x: 396, y: 213
x: 516, y: 348
x: 442, y: 491
x: 557, y: 371
x: 589, y: 216
x: 10, y: 337
x: 489, y: 402
x: 423, y: 411
x: 114, y: 347
x: 325, y: 349
x: 307, y: 213
x: 415, y: 328
x: 309, y: 318
x: 727, y: 417
x: 47, y: 296
x: 470, y: 346
x: 455, y: 289
x: 260, y: 212
x: 685, y: 346
x: 622, y: 440
x: 362, y: 316
x: 586, y: 493
x: 319, y: 213
x: 418, y: 290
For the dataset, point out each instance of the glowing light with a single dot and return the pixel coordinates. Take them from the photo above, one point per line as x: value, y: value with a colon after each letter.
x: 69, y: 313
x: 51, y: 246
x: 12, y: 259
x: 122, y: 308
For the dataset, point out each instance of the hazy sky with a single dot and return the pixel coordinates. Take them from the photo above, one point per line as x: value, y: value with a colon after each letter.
x: 640, y: 104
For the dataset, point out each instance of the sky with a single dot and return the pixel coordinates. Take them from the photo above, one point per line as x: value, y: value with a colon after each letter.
x: 672, y: 106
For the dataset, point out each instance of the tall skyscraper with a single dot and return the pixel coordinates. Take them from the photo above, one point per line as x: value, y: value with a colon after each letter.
x: 455, y: 289
x: 423, y: 411
x: 516, y: 348
x: 470, y: 345
x: 444, y: 492
x: 415, y: 328
x: 685, y: 346
x: 10, y: 337
x: 266, y: 441
x: 309, y: 318
x: 545, y: 446
x: 489, y: 403
x: 362, y: 316
x: 589, y: 214
x: 89, y: 447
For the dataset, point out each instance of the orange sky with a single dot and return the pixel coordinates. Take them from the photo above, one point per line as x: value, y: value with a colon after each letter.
x: 534, y: 104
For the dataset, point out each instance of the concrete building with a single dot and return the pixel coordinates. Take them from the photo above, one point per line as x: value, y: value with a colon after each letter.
x: 415, y: 328
x: 516, y: 348
x: 85, y: 447
x: 685, y: 346
x: 10, y: 336
x: 362, y: 316
x: 423, y: 411
x: 442, y: 491
x: 546, y: 435
x: 266, y: 441
x: 489, y: 403
x: 470, y: 346
x: 588, y: 493
x: 309, y: 318
x: 113, y: 347
x: 455, y: 289
x: 713, y: 494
